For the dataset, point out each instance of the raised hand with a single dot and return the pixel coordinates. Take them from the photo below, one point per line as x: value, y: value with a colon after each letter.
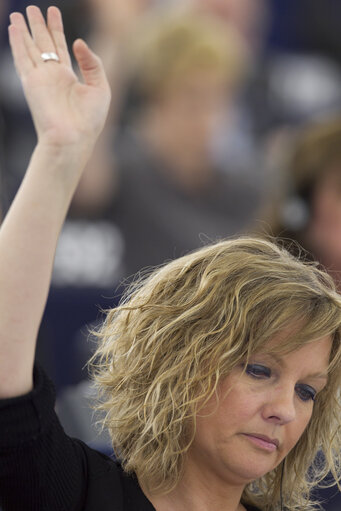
x: 68, y: 116
x: 64, y: 110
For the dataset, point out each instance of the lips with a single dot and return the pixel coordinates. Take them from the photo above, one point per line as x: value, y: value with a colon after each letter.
x: 263, y: 441
x: 274, y: 441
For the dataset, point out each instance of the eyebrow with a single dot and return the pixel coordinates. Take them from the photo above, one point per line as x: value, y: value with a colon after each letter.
x: 318, y: 375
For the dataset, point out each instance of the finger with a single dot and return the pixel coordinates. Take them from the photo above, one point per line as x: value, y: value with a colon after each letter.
x: 41, y: 36
x: 90, y: 65
x: 18, y: 20
x: 55, y: 25
x: 22, y: 40
x: 21, y: 56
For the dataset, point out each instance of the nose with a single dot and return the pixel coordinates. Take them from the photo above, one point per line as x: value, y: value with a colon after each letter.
x: 279, y: 407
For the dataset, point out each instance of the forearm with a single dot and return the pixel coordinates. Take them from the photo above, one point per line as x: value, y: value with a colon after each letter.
x: 28, y: 239
x: 68, y: 116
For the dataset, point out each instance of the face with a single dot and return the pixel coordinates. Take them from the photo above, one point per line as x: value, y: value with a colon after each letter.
x: 191, y: 108
x: 261, y: 414
x: 326, y: 228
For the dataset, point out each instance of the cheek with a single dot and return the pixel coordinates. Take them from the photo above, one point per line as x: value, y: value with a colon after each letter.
x: 232, y: 409
x: 296, y: 429
x: 242, y: 404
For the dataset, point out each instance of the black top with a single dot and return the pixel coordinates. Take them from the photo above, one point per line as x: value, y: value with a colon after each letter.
x: 42, y: 469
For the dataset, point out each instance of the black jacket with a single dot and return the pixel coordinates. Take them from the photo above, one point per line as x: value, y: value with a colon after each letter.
x: 42, y: 469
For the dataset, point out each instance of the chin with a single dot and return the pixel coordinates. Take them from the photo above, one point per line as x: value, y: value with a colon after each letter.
x: 252, y: 469
x: 249, y: 476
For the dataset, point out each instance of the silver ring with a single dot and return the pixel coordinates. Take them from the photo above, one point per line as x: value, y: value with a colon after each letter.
x: 50, y: 56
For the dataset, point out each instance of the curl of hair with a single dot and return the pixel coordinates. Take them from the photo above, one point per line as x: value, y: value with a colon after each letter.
x: 176, y: 333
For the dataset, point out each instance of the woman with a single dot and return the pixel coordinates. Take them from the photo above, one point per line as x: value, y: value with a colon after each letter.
x: 220, y: 374
x: 309, y: 209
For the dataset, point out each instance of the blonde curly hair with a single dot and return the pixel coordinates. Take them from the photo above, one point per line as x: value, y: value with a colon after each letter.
x: 179, y: 331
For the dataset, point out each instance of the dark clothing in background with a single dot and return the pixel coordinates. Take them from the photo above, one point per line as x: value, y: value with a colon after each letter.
x: 42, y: 469
x: 160, y: 222
x: 307, y: 26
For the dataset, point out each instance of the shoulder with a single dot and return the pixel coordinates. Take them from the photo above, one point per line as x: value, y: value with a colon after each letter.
x: 104, y: 478
x: 108, y: 484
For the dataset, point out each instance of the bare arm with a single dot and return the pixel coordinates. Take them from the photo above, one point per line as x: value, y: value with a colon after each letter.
x: 68, y: 117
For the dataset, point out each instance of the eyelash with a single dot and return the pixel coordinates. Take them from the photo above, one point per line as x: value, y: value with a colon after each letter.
x: 306, y: 392
x: 258, y: 371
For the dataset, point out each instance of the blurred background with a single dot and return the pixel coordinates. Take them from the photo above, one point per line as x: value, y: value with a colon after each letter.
x: 225, y: 119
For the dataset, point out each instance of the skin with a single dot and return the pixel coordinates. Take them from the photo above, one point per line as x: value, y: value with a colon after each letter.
x: 68, y: 115
x: 323, y: 233
x: 226, y: 455
x: 180, y: 124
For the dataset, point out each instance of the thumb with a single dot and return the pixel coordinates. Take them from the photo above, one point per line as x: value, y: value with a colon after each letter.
x: 89, y: 64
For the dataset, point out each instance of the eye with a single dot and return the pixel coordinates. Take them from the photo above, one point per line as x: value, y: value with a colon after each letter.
x: 305, y: 392
x: 258, y: 371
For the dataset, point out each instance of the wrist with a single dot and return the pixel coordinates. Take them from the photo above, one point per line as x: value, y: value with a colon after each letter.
x: 72, y: 155
x: 66, y: 144
x: 59, y: 165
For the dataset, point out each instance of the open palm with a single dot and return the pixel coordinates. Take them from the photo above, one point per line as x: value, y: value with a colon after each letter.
x: 64, y: 110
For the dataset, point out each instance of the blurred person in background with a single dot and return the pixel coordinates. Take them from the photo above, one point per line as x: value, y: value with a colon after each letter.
x: 236, y: 143
x: 252, y: 20
x: 184, y: 72
x: 308, y: 209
